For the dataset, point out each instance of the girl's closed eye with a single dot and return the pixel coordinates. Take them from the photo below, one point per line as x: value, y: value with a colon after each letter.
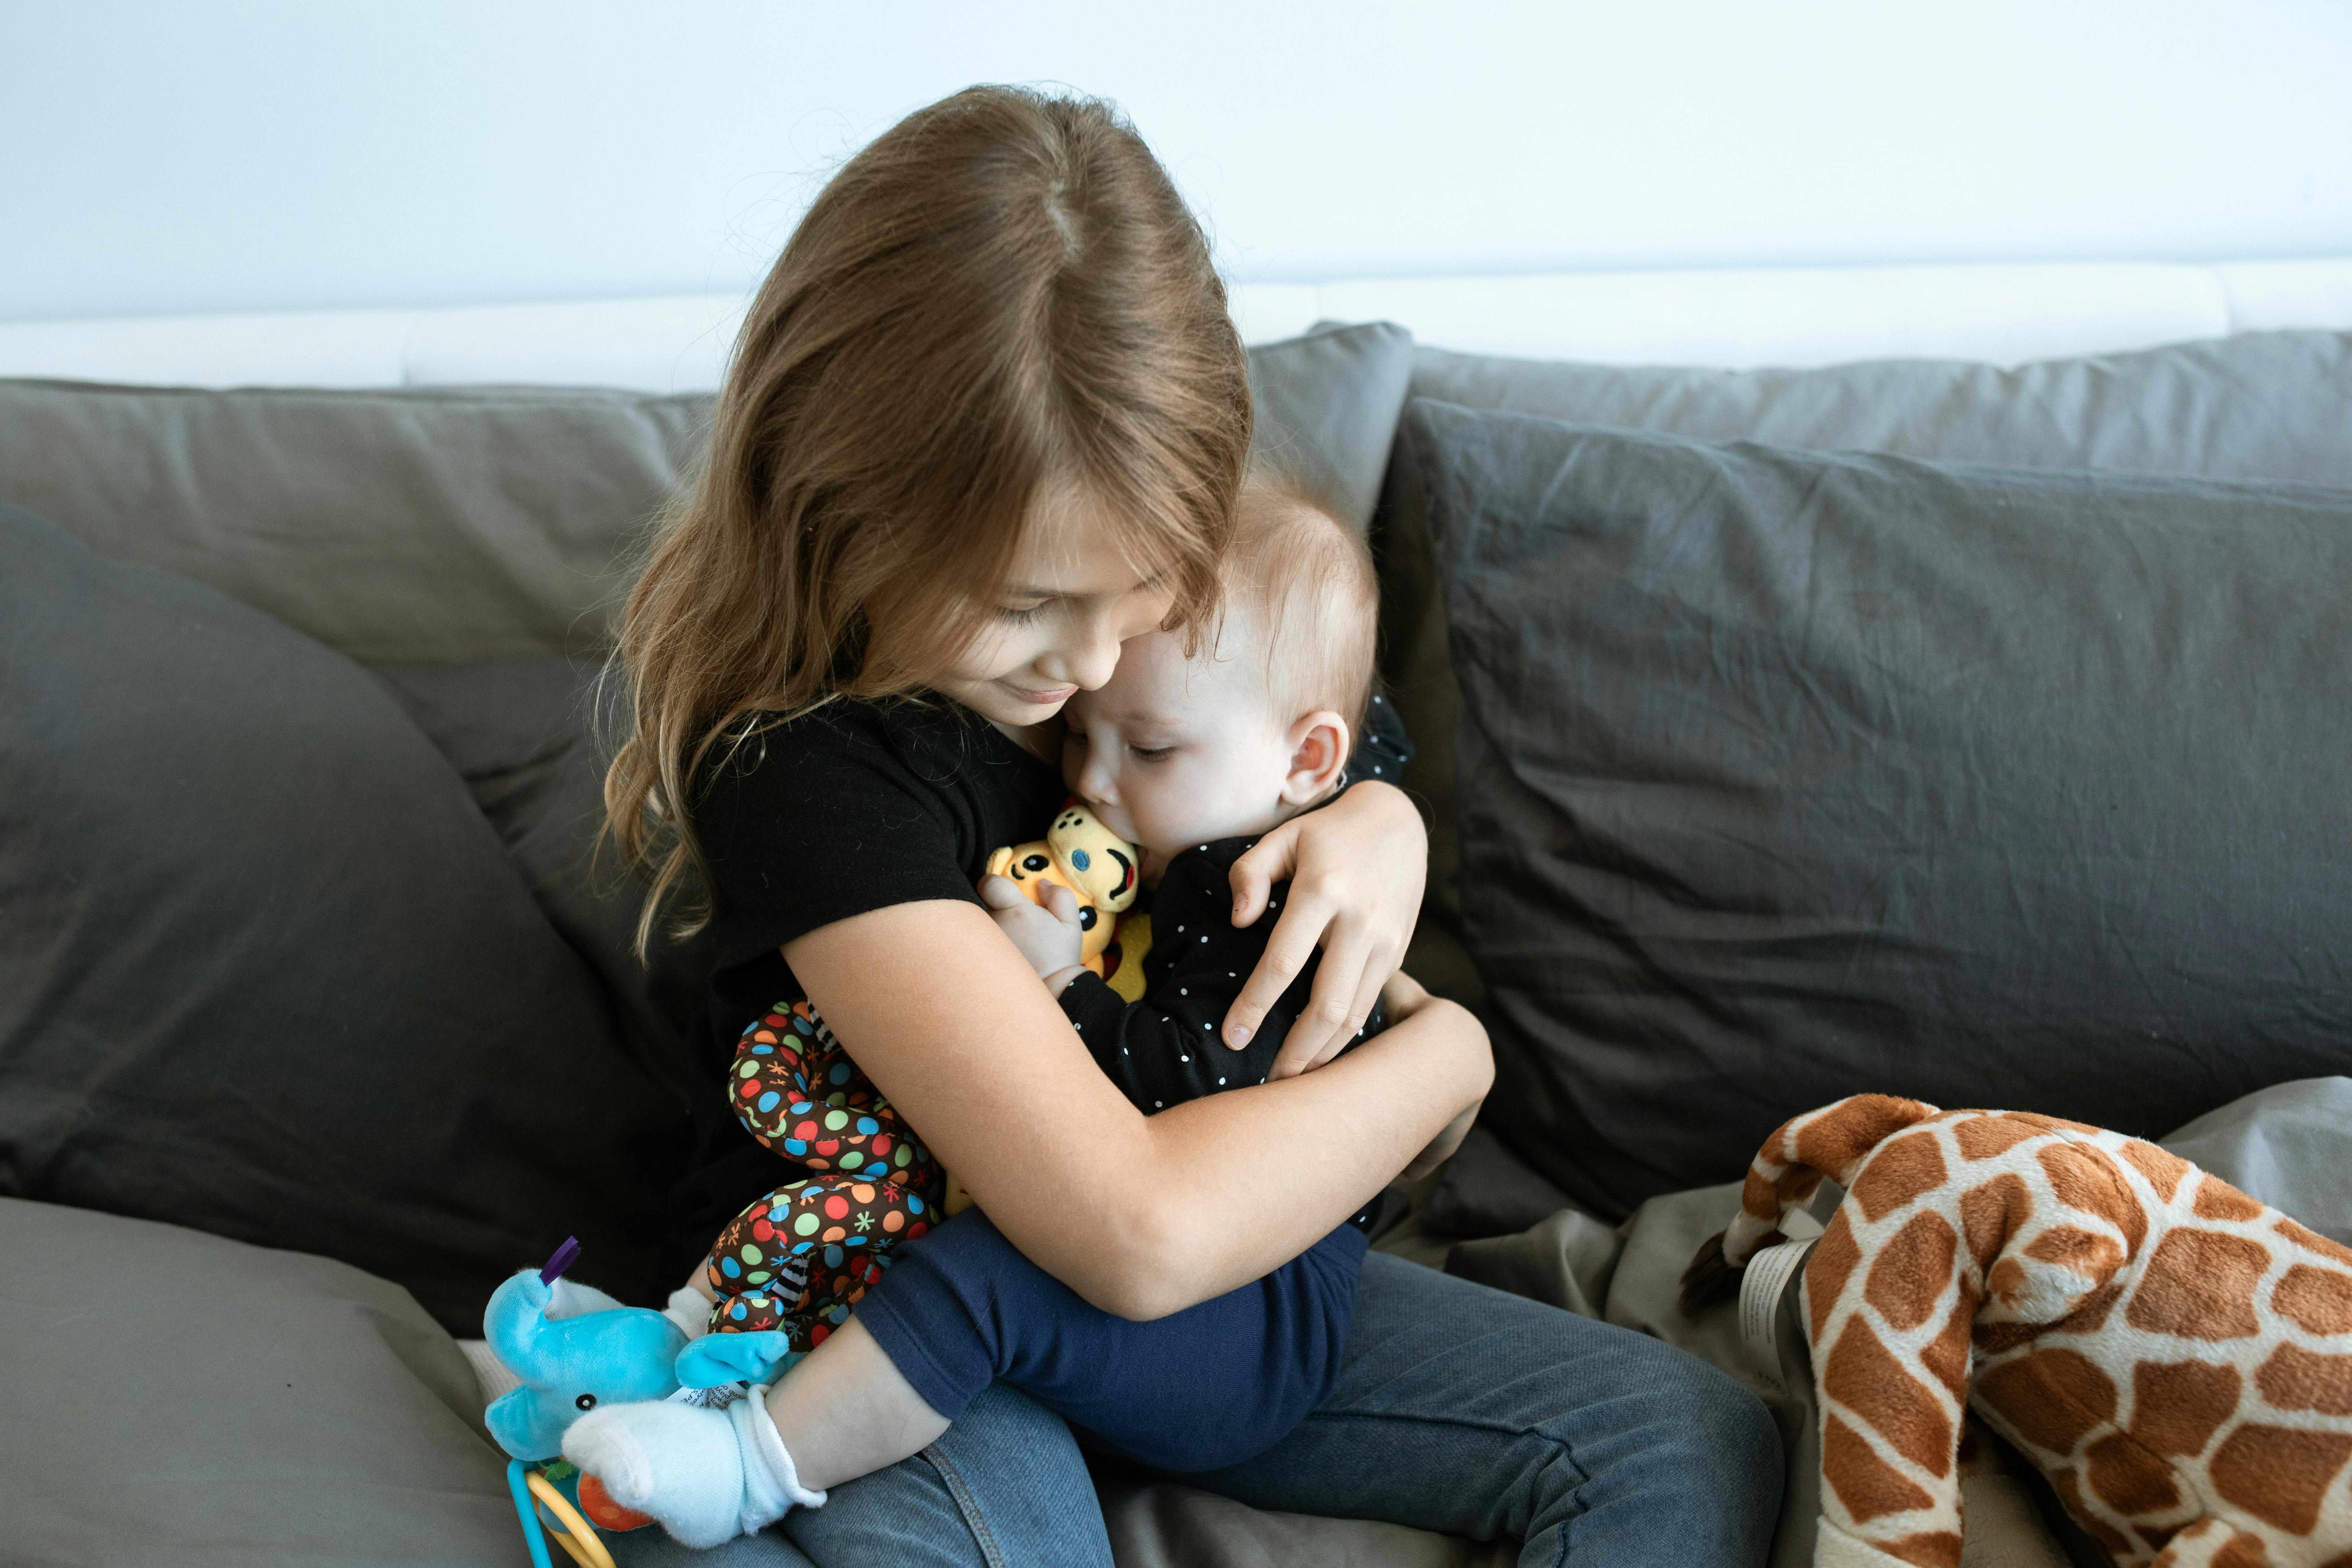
x: 1019, y: 615
x: 1151, y: 753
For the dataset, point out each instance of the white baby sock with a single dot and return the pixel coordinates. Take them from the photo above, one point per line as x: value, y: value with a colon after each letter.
x: 690, y: 1310
x: 707, y: 1475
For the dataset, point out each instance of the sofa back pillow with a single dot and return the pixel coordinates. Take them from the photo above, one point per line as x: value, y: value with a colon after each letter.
x: 2258, y: 405
x: 532, y: 739
x: 266, y: 971
x: 438, y: 524
x: 411, y: 525
x: 1786, y: 776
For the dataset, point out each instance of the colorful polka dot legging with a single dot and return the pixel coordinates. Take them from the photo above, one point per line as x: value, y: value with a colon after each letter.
x: 800, y: 1258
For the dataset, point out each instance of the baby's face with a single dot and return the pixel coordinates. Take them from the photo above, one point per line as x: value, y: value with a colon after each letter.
x: 1173, y: 753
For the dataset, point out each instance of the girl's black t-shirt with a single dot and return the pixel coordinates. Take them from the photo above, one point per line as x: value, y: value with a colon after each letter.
x: 853, y: 807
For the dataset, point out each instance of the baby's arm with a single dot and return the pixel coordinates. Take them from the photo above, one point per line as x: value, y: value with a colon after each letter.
x: 1047, y: 935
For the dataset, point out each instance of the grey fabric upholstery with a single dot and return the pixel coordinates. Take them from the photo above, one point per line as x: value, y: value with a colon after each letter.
x: 265, y: 969
x: 2263, y: 405
x: 174, y: 1397
x: 448, y: 524
x: 2260, y: 406
x: 399, y: 527
x: 1788, y: 774
x: 531, y: 738
x: 1327, y: 407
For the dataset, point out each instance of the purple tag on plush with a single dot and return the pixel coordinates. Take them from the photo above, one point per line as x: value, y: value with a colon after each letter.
x: 565, y: 1257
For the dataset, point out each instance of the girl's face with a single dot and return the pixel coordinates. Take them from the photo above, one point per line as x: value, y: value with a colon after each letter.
x: 1055, y: 627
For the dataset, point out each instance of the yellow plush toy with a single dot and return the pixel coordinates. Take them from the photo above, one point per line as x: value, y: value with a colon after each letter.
x: 1099, y: 867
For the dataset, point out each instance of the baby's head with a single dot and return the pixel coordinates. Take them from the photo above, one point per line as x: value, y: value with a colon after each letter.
x: 1256, y: 725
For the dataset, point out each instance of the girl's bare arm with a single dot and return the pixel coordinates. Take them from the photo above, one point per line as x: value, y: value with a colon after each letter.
x: 1142, y: 1216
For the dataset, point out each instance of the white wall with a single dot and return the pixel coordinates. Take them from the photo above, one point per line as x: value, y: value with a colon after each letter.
x: 192, y: 157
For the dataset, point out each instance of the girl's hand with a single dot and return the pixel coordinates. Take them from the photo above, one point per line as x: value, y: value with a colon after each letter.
x: 1355, y: 870
x: 1048, y: 934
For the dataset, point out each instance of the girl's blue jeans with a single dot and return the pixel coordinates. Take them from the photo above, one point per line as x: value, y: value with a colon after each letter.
x: 1458, y: 1408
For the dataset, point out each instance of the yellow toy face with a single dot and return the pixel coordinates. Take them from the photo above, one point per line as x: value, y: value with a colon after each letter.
x: 1097, y: 863
x: 1084, y: 857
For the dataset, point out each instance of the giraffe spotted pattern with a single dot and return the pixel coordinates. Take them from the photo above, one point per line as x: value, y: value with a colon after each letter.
x: 2175, y: 1356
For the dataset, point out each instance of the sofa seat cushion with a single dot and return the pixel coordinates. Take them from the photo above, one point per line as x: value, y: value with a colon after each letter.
x: 265, y: 969
x: 168, y: 1396
x: 1786, y: 776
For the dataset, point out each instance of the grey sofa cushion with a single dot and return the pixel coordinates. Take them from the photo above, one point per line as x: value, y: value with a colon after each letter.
x: 532, y: 739
x: 437, y: 525
x: 2264, y: 405
x: 266, y: 971
x: 1327, y: 406
x: 398, y: 527
x: 2260, y: 406
x: 1786, y: 776
x: 167, y: 1396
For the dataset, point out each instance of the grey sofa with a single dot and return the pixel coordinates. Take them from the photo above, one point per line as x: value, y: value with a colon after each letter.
x: 315, y: 1014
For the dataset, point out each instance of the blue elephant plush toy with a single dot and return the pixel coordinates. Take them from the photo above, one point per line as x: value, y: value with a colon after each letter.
x: 575, y: 1348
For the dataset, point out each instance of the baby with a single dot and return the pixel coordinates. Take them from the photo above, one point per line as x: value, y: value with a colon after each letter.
x: 1190, y: 758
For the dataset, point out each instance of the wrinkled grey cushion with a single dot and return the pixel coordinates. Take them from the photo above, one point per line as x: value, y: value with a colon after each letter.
x: 419, y: 526
x: 529, y: 738
x: 404, y: 526
x: 2261, y: 406
x: 1327, y: 407
x: 167, y: 1396
x: 1487, y: 1190
x: 266, y: 971
x: 1786, y: 776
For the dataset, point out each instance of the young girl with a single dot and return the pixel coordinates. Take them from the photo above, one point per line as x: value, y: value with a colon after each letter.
x: 986, y: 420
x: 1192, y: 760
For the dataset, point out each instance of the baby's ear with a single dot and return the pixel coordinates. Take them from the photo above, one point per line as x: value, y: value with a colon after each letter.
x: 1318, y: 755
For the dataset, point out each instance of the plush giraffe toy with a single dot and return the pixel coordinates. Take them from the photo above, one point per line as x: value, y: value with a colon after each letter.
x: 2174, y: 1355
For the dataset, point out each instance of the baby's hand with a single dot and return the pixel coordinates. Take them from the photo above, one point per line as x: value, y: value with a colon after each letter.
x: 1048, y: 935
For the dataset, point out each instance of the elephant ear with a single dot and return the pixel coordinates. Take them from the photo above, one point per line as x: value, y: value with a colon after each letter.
x: 511, y: 1419
x: 761, y: 1357
x: 514, y: 1323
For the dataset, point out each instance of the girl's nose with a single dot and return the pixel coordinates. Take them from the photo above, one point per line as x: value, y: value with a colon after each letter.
x: 1091, y: 662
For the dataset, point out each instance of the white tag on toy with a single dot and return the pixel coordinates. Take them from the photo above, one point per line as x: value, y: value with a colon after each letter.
x: 1761, y: 1285
x: 717, y: 1398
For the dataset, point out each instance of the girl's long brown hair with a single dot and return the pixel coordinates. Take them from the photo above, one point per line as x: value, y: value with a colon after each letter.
x: 1005, y: 292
